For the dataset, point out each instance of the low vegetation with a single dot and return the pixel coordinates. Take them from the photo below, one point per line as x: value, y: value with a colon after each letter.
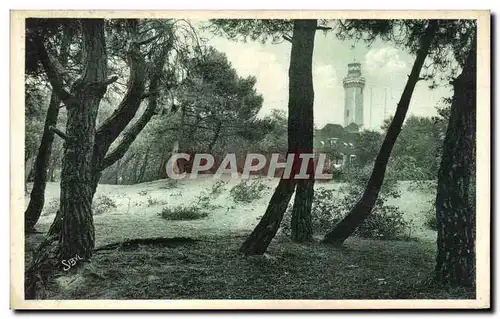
x: 210, y: 269
x: 102, y: 204
x: 248, y: 190
x: 182, y: 213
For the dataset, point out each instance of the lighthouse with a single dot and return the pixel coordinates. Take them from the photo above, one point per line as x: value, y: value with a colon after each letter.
x: 353, y: 83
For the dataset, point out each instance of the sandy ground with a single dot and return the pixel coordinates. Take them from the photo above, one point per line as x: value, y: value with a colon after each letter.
x: 137, y: 214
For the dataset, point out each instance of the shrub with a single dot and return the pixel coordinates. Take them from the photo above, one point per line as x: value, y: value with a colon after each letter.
x: 330, y: 206
x: 325, y: 211
x: 385, y: 222
x: 218, y: 187
x: 102, y: 204
x: 155, y: 201
x: 182, y: 213
x: 405, y: 168
x: 425, y: 186
x: 248, y: 190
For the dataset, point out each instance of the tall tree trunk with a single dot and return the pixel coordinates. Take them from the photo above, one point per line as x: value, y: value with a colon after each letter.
x: 51, y: 173
x: 74, y: 233
x: 301, y: 227
x: 117, y: 172
x: 142, y: 170
x: 264, y: 232
x: 37, y: 197
x: 161, y: 170
x: 455, y: 260
x: 77, y: 232
x: 301, y: 224
x: 364, y: 206
x: 135, y: 171
x: 300, y: 102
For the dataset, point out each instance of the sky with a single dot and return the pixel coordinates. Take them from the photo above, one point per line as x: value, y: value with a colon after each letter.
x: 385, y: 68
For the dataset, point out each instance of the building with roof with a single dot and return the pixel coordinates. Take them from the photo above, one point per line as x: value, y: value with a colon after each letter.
x: 338, y: 141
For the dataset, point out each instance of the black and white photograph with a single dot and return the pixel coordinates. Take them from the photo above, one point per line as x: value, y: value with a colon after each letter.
x: 250, y: 160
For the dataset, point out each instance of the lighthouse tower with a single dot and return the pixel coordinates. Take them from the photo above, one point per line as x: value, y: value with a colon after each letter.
x: 354, y: 84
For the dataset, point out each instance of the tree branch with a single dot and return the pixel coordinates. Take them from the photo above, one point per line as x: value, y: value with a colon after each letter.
x: 54, y: 78
x: 287, y: 38
x: 110, y: 80
x: 323, y: 28
x: 146, y: 41
x: 58, y: 132
x: 126, y: 110
x: 131, y: 134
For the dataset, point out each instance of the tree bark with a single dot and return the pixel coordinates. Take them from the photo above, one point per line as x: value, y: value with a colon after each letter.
x: 363, y: 208
x: 301, y: 224
x: 77, y: 232
x: 111, y: 128
x: 142, y: 170
x: 118, y: 121
x: 300, y: 102
x: 121, y: 117
x: 264, y: 232
x: 37, y: 196
x: 455, y: 260
x: 73, y: 231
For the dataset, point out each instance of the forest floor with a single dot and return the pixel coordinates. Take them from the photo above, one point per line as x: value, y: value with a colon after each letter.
x: 210, y: 267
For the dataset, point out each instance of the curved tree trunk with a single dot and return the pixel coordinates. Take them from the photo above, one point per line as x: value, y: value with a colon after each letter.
x: 118, y: 121
x: 264, y: 232
x: 300, y: 103
x: 364, y: 206
x: 455, y: 260
x: 37, y: 196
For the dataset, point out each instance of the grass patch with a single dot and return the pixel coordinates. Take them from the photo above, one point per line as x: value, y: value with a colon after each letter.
x: 182, y: 213
x: 213, y: 269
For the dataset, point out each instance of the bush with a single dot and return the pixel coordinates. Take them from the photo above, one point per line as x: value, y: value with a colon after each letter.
x: 102, y: 204
x: 248, y: 190
x: 385, y: 222
x: 405, y: 168
x: 330, y: 206
x: 155, y: 201
x: 218, y: 187
x: 182, y: 213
